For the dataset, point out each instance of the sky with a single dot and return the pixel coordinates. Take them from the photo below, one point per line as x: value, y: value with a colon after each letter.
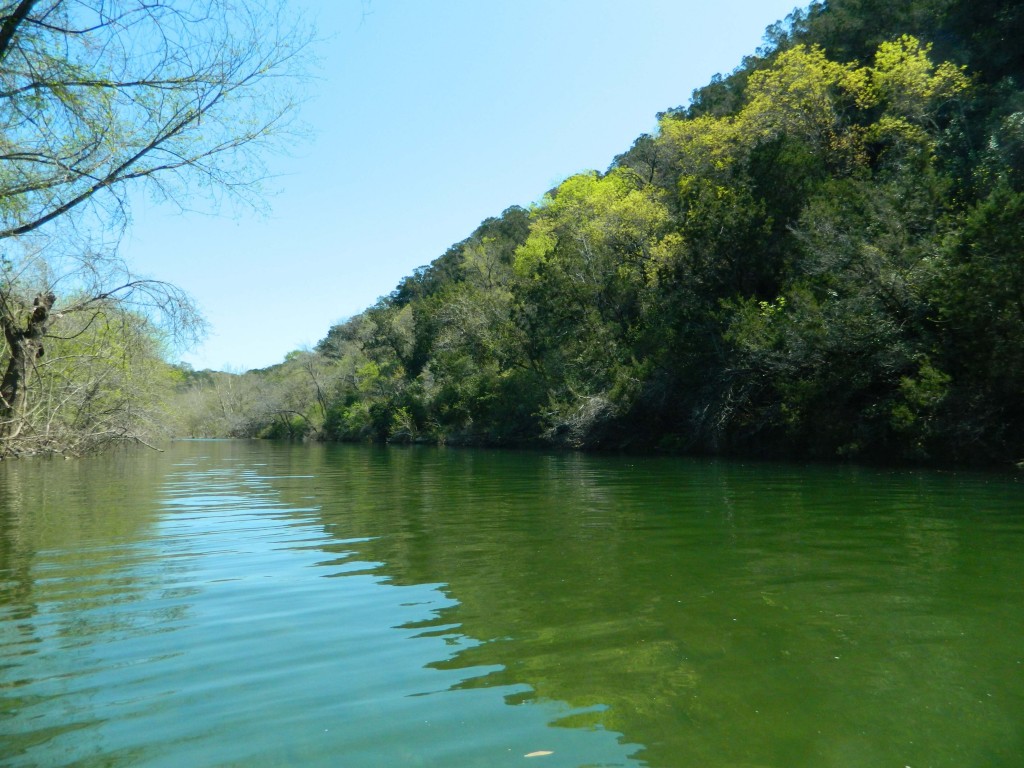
x: 426, y: 117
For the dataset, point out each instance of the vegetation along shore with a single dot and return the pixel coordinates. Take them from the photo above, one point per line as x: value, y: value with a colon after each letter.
x: 820, y: 256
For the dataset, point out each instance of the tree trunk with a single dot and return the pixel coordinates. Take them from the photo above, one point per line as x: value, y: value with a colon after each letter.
x: 26, y: 344
x: 11, y: 23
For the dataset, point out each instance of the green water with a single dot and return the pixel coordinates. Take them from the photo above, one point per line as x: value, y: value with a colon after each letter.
x: 240, y: 604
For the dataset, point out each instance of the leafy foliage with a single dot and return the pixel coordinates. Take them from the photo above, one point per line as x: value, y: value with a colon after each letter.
x: 822, y: 255
x: 98, y: 96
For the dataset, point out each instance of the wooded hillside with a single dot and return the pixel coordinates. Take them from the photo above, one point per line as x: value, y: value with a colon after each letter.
x: 822, y: 255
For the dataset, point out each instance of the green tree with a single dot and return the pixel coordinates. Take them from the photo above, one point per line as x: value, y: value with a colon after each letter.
x: 97, y: 96
x: 586, y: 270
x: 102, y: 380
x: 140, y: 319
x: 980, y: 295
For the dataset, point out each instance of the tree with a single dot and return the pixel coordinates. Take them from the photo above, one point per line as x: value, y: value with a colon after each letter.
x: 95, y: 94
x: 106, y: 325
x: 980, y: 295
x: 99, y: 96
x: 586, y: 270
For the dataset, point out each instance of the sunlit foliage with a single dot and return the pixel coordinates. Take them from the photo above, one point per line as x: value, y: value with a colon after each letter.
x: 821, y: 256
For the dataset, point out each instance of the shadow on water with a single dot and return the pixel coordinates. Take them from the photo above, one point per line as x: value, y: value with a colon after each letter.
x: 722, y: 614
x: 477, y: 607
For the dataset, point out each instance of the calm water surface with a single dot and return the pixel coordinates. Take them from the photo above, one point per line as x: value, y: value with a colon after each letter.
x: 247, y: 604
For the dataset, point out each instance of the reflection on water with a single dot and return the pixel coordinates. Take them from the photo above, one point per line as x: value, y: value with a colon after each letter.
x: 252, y: 604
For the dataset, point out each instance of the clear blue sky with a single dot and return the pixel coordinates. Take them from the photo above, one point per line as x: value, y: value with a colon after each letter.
x: 429, y: 116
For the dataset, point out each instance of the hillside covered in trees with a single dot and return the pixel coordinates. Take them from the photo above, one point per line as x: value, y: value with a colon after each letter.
x: 822, y: 255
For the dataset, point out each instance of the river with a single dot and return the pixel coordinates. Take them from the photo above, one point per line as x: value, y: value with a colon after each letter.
x: 257, y: 604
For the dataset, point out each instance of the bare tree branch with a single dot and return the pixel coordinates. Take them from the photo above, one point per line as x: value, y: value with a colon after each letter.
x: 95, y: 97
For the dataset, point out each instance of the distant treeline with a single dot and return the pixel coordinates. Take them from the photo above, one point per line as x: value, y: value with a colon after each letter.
x: 821, y: 256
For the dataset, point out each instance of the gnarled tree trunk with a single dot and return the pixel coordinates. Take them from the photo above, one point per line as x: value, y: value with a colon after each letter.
x: 26, y: 345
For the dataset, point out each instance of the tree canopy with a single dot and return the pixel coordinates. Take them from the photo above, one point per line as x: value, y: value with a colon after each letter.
x: 819, y: 256
x: 97, y: 97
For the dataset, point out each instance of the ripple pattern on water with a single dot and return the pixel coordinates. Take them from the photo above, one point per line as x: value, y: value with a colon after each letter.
x: 232, y: 626
x: 234, y: 604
